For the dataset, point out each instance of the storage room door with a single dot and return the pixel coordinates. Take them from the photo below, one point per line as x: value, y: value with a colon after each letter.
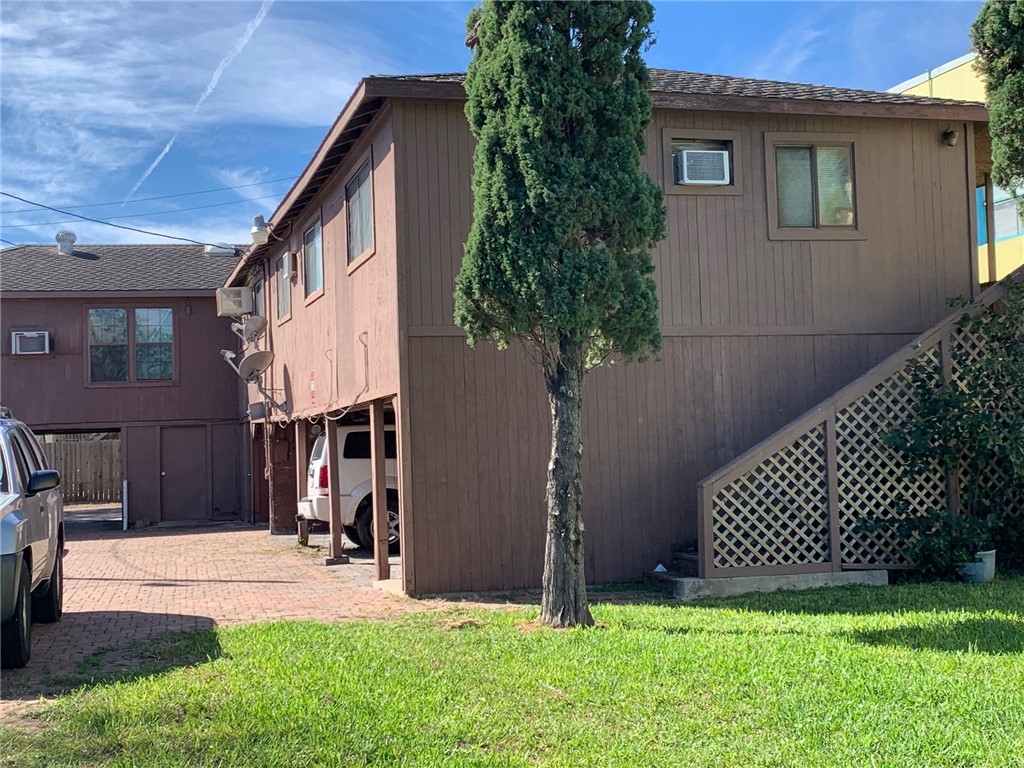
x: 184, y: 474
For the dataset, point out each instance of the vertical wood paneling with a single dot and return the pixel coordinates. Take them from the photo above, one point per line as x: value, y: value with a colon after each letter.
x: 788, y: 323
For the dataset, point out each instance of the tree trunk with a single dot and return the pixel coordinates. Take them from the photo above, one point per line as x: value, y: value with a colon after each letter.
x: 565, y: 588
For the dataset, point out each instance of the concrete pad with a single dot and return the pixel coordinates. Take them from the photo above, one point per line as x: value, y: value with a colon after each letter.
x: 692, y: 588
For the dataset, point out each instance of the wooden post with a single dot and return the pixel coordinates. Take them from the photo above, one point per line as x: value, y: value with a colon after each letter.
x: 301, y: 456
x: 301, y: 467
x: 336, y: 555
x: 705, y: 531
x: 380, y: 492
x: 952, y: 474
x: 835, y: 540
x: 990, y: 226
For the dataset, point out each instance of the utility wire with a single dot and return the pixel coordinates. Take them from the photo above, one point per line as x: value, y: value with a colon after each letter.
x: 106, y: 223
x: 164, y: 197
x: 138, y: 215
x: 8, y: 242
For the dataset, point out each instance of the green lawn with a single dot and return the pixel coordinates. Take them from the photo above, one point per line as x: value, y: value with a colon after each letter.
x: 918, y: 675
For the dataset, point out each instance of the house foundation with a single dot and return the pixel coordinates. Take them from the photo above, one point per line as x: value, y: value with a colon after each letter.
x: 693, y: 588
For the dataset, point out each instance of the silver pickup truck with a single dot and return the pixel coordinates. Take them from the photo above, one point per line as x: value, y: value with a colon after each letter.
x: 31, y: 541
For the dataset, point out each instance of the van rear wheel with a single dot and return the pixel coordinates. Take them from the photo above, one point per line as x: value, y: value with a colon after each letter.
x: 364, y: 522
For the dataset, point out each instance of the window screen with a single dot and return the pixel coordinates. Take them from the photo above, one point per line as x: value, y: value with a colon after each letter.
x: 814, y: 186
x: 793, y: 179
x: 154, y: 344
x: 108, y: 345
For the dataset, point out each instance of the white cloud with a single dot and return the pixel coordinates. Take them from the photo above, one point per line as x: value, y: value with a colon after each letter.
x: 253, y: 183
x: 92, y: 91
x: 787, y: 56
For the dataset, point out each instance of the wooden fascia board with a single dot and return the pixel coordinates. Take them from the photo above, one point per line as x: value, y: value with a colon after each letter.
x: 708, y: 103
x: 209, y: 293
x: 410, y: 89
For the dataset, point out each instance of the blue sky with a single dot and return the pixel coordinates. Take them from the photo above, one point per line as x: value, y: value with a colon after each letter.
x: 94, y: 92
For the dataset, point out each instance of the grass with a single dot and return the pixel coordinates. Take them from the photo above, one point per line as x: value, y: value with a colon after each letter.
x: 918, y: 675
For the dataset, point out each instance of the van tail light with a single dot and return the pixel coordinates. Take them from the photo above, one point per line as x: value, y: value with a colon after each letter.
x: 321, y: 481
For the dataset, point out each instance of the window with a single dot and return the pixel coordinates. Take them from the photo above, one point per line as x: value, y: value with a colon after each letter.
x: 811, y: 187
x: 154, y: 345
x: 700, y: 162
x: 131, y: 346
x: 284, y: 288
x: 312, y: 262
x: 357, y: 445
x: 108, y: 345
x: 1008, y: 223
x: 359, y: 207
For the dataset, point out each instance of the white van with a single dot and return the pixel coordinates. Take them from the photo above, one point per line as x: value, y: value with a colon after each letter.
x: 355, y: 484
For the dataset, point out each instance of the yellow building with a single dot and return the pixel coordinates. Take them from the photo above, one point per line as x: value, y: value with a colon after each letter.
x: 958, y: 79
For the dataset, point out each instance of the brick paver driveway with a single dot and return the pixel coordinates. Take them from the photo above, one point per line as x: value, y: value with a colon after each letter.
x: 123, y: 587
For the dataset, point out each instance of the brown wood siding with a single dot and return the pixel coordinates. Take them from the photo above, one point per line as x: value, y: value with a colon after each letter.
x: 320, y: 343
x: 756, y: 331
x: 49, y: 392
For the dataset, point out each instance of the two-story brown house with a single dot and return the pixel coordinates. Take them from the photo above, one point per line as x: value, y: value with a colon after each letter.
x: 831, y: 229
x: 126, y: 339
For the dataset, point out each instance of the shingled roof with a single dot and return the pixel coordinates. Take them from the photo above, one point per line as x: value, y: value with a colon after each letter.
x: 670, y: 81
x: 94, y: 268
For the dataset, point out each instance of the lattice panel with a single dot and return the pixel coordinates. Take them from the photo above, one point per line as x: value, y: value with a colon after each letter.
x: 869, y: 474
x: 776, y: 514
x: 965, y: 348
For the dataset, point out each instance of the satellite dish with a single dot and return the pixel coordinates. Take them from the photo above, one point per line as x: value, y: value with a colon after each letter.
x: 253, y: 328
x: 252, y: 366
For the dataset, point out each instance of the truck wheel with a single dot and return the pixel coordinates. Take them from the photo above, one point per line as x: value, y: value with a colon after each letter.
x: 364, y: 522
x: 48, y: 606
x: 16, y: 632
x: 353, y: 534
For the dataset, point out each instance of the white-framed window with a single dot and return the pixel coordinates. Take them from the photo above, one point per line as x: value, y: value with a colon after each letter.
x: 359, y: 212
x: 312, y: 260
x: 284, y: 287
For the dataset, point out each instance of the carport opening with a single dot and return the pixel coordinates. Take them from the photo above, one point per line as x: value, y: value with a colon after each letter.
x: 89, y: 464
x: 90, y: 468
x: 355, y: 487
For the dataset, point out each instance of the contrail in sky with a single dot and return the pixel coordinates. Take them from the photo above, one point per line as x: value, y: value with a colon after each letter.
x: 250, y: 30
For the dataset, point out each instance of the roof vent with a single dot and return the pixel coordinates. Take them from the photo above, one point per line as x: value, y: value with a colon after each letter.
x: 66, y: 242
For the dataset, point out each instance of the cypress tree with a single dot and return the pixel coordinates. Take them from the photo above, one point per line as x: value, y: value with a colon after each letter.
x: 998, y: 36
x: 564, y: 218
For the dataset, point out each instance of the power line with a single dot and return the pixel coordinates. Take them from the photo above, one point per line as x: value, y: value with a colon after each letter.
x: 105, y: 223
x: 165, y: 197
x: 138, y: 215
x: 8, y: 242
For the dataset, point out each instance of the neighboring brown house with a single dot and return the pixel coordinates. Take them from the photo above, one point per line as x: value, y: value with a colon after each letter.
x: 836, y: 225
x: 130, y: 344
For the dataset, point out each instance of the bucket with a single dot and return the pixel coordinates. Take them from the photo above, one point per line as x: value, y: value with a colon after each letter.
x: 983, y: 569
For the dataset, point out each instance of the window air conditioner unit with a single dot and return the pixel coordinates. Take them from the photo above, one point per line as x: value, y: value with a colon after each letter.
x: 234, y: 302
x: 703, y: 166
x: 288, y: 264
x: 30, y: 342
